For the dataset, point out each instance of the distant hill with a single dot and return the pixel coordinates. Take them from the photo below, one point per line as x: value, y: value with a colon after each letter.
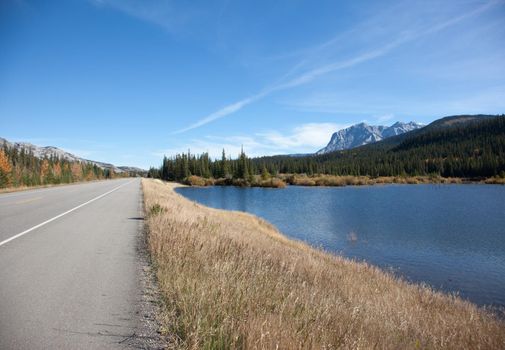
x: 456, y: 146
x: 132, y: 169
x: 459, y: 120
x: 363, y: 134
x: 54, y: 152
x: 24, y: 164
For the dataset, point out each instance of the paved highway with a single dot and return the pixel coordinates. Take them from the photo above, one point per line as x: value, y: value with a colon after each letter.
x: 69, y: 266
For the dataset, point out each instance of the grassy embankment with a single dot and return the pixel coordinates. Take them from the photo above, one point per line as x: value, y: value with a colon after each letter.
x: 231, y: 280
x: 282, y: 180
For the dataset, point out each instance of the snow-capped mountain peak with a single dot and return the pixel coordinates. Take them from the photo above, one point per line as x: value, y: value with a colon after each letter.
x: 362, y: 134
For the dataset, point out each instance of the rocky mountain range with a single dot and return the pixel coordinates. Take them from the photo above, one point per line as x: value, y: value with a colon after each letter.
x: 50, y: 151
x: 362, y: 134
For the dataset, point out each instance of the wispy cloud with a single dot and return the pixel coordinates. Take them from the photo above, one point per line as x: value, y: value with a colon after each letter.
x: 161, y: 13
x: 223, y: 112
x: 303, y: 138
x: 312, y: 74
x: 383, y: 108
x: 294, y: 82
x: 343, y: 103
x: 384, y: 118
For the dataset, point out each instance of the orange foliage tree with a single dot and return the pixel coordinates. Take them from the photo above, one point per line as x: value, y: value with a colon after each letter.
x: 57, y: 170
x: 44, y: 170
x: 90, y: 175
x: 76, y: 171
x: 5, y: 170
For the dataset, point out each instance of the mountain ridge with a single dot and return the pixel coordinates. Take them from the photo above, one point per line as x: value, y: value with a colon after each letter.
x: 42, y: 152
x: 362, y: 134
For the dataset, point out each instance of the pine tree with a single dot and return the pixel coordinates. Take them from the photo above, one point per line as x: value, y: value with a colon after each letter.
x: 242, y: 171
x: 265, y: 175
x: 225, y: 169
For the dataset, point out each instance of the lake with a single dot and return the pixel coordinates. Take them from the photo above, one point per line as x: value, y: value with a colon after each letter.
x: 451, y: 237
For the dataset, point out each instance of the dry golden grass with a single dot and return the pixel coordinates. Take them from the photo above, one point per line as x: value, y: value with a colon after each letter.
x: 231, y: 280
x: 194, y: 180
x: 281, y: 180
x: 255, y: 181
x: 495, y: 181
x: 334, y: 180
x: 272, y: 182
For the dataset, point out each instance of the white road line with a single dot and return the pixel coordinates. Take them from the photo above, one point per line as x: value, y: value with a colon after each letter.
x: 62, y: 214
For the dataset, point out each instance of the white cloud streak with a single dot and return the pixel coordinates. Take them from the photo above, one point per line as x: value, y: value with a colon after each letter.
x: 313, y: 74
x: 384, y: 118
x: 223, y: 112
x: 297, y: 81
x: 160, y: 13
x: 304, y: 138
x: 488, y: 100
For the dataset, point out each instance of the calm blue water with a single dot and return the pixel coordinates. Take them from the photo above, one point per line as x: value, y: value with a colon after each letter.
x: 451, y: 237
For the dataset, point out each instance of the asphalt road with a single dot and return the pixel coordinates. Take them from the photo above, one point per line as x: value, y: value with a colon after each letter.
x: 72, y: 283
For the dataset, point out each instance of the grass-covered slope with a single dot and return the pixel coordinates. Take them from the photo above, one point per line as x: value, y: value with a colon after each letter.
x: 231, y: 280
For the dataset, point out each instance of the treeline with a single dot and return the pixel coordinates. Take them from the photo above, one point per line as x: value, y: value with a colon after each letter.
x: 467, y: 150
x: 182, y: 166
x: 451, y: 149
x: 22, y: 168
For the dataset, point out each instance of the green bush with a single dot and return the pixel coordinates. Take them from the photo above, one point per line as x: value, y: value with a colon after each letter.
x: 156, y: 209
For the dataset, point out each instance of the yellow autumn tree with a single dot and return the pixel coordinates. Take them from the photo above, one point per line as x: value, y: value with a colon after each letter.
x: 57, y: 170
x: 76, y: 171
x: 90, y: 175
x: 5, y: 170
x: 44, y: 170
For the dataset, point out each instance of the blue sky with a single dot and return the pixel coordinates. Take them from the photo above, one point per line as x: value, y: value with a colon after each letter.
x: 128, y: 81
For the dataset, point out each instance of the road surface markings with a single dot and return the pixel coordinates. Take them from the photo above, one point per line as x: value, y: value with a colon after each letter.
x: 62, y: 214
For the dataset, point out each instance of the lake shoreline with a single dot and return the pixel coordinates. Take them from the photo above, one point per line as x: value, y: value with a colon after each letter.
x: 283, y: 180
x: 239, y: 277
